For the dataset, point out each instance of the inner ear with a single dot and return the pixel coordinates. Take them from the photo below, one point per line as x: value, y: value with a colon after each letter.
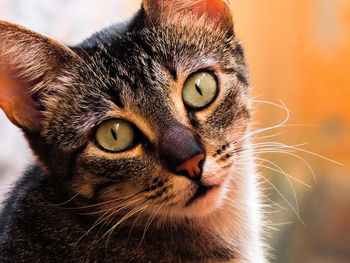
x: 29, y: 63
x: 217, y: 11
x: 213, y: 9
x: 20, y: 107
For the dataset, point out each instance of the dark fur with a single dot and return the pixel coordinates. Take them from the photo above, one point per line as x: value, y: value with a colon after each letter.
x: 34, y: 228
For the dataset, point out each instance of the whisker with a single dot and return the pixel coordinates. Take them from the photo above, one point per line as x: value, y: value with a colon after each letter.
x: 64, y: 203
x: 279, y: 193
x: 111, y: 217
x: 314, y: 154
x: 273, y: 202
x: 282, y: 106
x: 296, y: 148
x: 136, y: 219
x: 109, y: 201
x: 245, y: 154
x: 284, y: 198
x: 125, y: 217
x: 119, y: 207
x: 149, y: 221
x: 270, y: 136
x: 281, y: 171
x: 277, y: 144
x: 289, y: 182
x: 283, y: 224
x: 97, y: 222
x: 287, y: 152
x: 107, y: 215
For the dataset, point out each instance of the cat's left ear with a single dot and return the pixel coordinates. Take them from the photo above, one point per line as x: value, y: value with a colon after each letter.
x: 217, y: 11
x: 29, y: 61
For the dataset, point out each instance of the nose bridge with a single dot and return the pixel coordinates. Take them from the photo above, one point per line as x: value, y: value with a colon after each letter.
x: 180, y: 151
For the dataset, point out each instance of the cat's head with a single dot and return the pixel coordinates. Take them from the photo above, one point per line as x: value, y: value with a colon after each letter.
x: 146, y: 117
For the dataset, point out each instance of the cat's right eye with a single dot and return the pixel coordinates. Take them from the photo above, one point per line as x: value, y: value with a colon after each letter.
x: 115, y: 135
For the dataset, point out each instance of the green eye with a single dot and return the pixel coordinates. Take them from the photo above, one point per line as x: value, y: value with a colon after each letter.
x: 115, y: 135
x: 199, y: 90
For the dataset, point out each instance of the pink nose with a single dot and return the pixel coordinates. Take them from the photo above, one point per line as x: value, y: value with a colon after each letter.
x: 191, y: 166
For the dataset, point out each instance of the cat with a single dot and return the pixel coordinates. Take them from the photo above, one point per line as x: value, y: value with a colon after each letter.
x: 141, y: 138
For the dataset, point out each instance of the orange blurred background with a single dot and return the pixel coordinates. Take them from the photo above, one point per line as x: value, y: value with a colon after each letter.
x: 299, y: 51
x: 299, y: 54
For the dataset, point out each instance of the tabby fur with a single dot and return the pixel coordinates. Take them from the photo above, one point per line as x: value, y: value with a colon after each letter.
x: 78, y: 203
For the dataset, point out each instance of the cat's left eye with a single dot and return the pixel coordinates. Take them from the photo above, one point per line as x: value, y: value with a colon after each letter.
x: 199, y: 90
x: 115, y: 135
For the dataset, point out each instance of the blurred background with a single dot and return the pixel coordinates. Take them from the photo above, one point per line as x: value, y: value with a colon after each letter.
x: 299, y: 56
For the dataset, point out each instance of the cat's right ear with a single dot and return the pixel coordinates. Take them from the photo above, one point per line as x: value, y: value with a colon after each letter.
x: 29, y: 61
x: 216, y: 11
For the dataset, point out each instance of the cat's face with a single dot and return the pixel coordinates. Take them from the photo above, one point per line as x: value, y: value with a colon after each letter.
x: 148, y: 119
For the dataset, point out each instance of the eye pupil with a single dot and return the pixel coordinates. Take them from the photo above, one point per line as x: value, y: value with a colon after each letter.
x: 114, y: 134
x: 199, y: 90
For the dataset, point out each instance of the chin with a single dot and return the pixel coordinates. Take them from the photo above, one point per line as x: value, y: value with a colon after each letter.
x: 203, y: 205
x: 206, y: 204
x: 210, y: 202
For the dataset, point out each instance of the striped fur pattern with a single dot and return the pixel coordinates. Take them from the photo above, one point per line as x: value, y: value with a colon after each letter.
x: 79, y: 203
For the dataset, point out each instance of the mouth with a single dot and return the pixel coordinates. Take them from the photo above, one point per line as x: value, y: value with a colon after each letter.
x: 201, y: 192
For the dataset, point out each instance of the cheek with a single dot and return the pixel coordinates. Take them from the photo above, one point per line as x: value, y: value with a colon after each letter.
x: 135, y: 168
x: 215, y: 173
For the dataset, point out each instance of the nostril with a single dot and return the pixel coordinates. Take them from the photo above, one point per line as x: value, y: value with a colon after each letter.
x: 191, y: 166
